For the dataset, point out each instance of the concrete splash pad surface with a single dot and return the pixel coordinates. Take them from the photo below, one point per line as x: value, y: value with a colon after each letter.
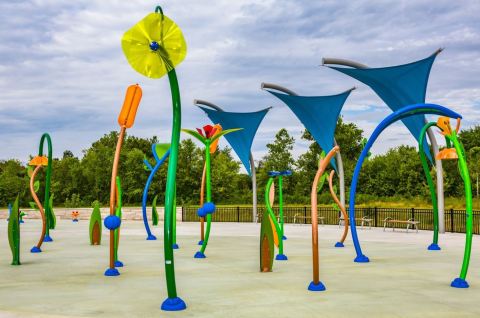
x: 402, y: 280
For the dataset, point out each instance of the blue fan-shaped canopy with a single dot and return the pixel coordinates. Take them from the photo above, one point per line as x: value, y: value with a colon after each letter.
x: 241, y: 141
x: 319, y: 115
x: 398, y: 86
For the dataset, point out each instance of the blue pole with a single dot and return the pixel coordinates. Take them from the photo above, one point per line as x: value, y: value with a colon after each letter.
x: 404, y: 112
x: 159, y: 162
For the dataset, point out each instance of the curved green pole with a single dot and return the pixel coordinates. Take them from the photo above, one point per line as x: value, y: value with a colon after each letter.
x: 423, y: 158
x: 173, y: 299
x: 273, y: 218
x: 280, y: 200
x: 46, y: 202
x: 174, y: 222
x: 209, y: 194
x: 116, y: 232
x: 461, y: 282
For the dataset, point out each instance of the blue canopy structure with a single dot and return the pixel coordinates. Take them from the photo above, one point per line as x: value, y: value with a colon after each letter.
x: 398, y: 86
x: 319, y: 115
x: 241, y: 141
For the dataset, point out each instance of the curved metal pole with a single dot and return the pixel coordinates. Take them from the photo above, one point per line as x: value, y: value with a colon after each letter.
x: 37, y: 248
x: 423, y: 158
x: 252, y: 162
x: 338, y: 156
x: 404, y: 112
x: 344, y: 62
x: 439, y: 172
x: 158, y: 164
x: 316, y: 284
x: 342, y: 209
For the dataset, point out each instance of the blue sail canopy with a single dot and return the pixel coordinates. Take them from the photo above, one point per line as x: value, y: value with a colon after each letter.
x: 398, y: 86
x: 241, y: 141
x: 319, y: 115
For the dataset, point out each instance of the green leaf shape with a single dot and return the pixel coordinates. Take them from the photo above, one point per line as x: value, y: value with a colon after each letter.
x: 33, y: 205
x: 223, y: 133
x: 14, y: 233
x: 267, y: 247
x: 95, y: 223
x: 154, y: 211
x: 195, y: 134
x: 161, y: 149
x: 36, y: 186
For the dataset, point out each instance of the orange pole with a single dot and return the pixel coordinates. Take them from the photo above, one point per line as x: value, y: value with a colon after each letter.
x: 113, y: 189
x: 202, y: 195
x: 39, y: 204
x: 321, y: 168
x: 342, y: 208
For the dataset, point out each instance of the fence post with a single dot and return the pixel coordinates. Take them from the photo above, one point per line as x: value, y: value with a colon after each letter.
x: 413, y: 213
x: 238, y: 214
x: 183, y: 213
x: 375, y: 216
x: 451, y: 221
x: 305, y: 213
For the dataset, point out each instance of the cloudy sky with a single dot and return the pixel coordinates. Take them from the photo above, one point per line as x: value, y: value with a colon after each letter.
x: 62, y: 69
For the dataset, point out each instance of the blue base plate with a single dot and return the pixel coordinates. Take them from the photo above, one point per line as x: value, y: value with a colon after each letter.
x: 459, y: 283
x: 112, y: 272
x: 118, y: 264
x: 47, y: 238
x: 434, y: 247
x: 173, y: 304
x: 74, y: 220
x: 316, y: 287
x: 175, y: 246
x: 151, y: 237
x: 199, y: 255
x: 35, y: 250
x: 200, y: 242
x: 339, y: 244
x: 281, y: 257
x: 361, y: 259
x: 284, y: 238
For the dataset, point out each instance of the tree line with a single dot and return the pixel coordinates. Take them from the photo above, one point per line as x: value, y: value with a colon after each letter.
x: 80, y: 181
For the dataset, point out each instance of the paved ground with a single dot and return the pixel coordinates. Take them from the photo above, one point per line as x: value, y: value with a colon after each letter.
x: 403, y: 279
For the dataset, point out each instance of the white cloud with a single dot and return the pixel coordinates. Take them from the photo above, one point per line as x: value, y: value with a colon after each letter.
x: 62, y: 69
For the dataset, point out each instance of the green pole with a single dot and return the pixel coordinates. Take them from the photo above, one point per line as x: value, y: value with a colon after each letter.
x: 170, y: 190
x: 174, y: 221
x: 280, y: 200
x: 46, y: 202
x: 209, y: 194
x: 468, y: 202
x: 431, y: 186
x: 272, y: 216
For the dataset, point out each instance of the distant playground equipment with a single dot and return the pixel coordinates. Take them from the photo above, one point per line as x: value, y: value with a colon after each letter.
x: 160, y: 153
x: 316, y: 284
x: 74, y: 216
x: 95, y: 225
x: 209, y: 136
x: 45, y: 209
x: 154, y: 47
x: 113, y: 221
x: 277, y: 226
x: 14, y: 233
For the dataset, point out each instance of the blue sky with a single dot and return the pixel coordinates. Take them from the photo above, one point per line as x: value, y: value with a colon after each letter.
x: 62, y: 69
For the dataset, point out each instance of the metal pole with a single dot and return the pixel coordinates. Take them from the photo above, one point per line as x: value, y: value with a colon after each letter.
x: 439, y: 171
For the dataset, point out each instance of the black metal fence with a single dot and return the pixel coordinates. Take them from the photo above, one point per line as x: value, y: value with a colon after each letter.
x: 454, y: 219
